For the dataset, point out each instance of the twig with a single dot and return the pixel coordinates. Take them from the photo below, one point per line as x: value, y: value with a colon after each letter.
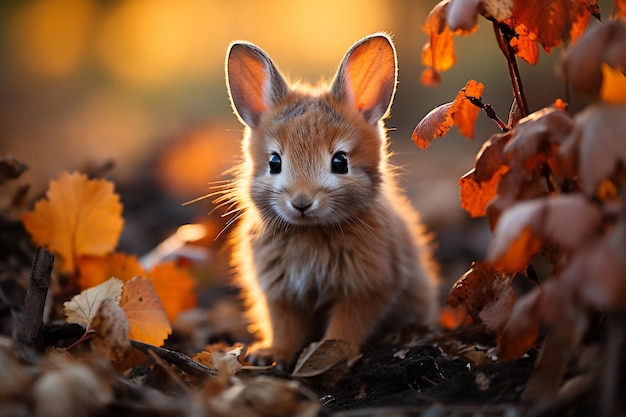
x: 183, y: 361
x: 31, y: 330
x: 489, y: 110
x: 509, y: 55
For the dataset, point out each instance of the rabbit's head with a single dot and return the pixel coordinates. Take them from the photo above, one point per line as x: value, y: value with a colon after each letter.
x: 313, y: 156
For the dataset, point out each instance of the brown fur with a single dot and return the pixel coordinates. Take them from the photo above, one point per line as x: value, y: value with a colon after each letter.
x: 354, y: 265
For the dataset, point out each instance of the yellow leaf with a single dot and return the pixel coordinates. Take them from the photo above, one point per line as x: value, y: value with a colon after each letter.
x: 83, y: 307
x: 144, y: 311
x: 79, y: 217
x: 175, y: 288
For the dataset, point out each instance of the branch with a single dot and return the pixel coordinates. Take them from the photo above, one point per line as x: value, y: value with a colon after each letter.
x: 31, y: 330
x: 509, y: 55
x: 181, y: 360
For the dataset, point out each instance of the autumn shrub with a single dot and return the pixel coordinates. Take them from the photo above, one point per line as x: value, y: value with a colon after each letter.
x: 551, y: 184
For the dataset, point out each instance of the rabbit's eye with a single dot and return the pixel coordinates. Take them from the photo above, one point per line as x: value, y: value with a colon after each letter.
x: 339, y: 163
x: 275, y: 163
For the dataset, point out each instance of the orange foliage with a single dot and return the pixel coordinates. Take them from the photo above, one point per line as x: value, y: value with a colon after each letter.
x: 145, y: 314
x: 79, y: 217
x: 175, y: 288
x: 93, y: 270
x: 460, y: 112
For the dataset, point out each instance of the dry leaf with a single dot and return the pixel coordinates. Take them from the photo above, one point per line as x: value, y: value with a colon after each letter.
x: 222, y: 358
x: 435, y: 124
x: 460, y: 112
x: 265, y: 396
x: 613, y: 89
x: 319, y: 357
x: 175, y: 288
x: 564, y: 23
x: 486, y: 295
x: 83, y: 307
x: 522, y: 330
x: 111, y: 327
x: 596, y: 272
x: 79, y: 217
x: 566, y: 220
x: 145, y: 314
x: 598, y: 143
x: 602, y: 44
x: 92, y: 270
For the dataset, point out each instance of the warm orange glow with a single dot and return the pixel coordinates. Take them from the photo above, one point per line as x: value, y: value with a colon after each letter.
x: 50, y: 37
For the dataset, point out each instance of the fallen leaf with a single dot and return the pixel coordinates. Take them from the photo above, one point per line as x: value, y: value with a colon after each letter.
x: 78, y: 217
x: 175, y: 288
x: 265, y: 396
x: 222, y: 358
x: 145, y: 314
x: 319, y: 357
x: 93, y: 270
x: 83, y: 307
x: 111, y: 331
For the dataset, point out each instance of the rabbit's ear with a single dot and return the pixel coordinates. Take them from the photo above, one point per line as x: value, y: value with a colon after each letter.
x: 254, y: 83
x: 367, y: 76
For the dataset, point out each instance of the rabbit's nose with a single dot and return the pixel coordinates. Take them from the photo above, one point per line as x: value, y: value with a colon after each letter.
x: 301, y: 203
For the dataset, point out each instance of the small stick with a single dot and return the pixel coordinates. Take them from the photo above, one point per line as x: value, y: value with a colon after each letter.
x: 181, y: 360
x: 31, y: 330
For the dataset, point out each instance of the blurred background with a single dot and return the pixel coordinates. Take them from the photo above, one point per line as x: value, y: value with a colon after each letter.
x: 135, y: 89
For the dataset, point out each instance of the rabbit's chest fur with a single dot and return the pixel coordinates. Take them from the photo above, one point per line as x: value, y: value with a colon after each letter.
x: 316, y: 264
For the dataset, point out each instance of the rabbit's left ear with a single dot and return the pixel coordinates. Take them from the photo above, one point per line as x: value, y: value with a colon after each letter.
x: 367, y: 76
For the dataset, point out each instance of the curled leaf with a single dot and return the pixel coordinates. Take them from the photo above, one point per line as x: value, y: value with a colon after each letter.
x: 83, y: 307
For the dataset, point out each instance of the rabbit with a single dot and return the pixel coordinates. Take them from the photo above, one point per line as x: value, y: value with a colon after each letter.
x: 326, y: 246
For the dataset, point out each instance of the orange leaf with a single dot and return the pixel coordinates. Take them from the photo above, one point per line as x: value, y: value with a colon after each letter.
x: 564, y: 23
x: 96, y: 269
x: 566, y: 220
x: 523, y: 328
x: 463, y: 112
x: 79, y: 217
x: 435, y: 124
x: 439, y: 52
x: 175, y: 288
x: 485, y: 294
x: 475, y: 196
x: 145, y: 314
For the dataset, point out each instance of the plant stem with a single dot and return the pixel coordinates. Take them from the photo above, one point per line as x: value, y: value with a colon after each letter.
x: 516, y: 81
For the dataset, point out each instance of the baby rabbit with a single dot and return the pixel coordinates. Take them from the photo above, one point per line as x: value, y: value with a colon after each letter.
x: 326, y: 245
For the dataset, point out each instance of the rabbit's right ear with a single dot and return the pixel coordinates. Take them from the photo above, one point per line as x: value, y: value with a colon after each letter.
x: 254, y: 83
